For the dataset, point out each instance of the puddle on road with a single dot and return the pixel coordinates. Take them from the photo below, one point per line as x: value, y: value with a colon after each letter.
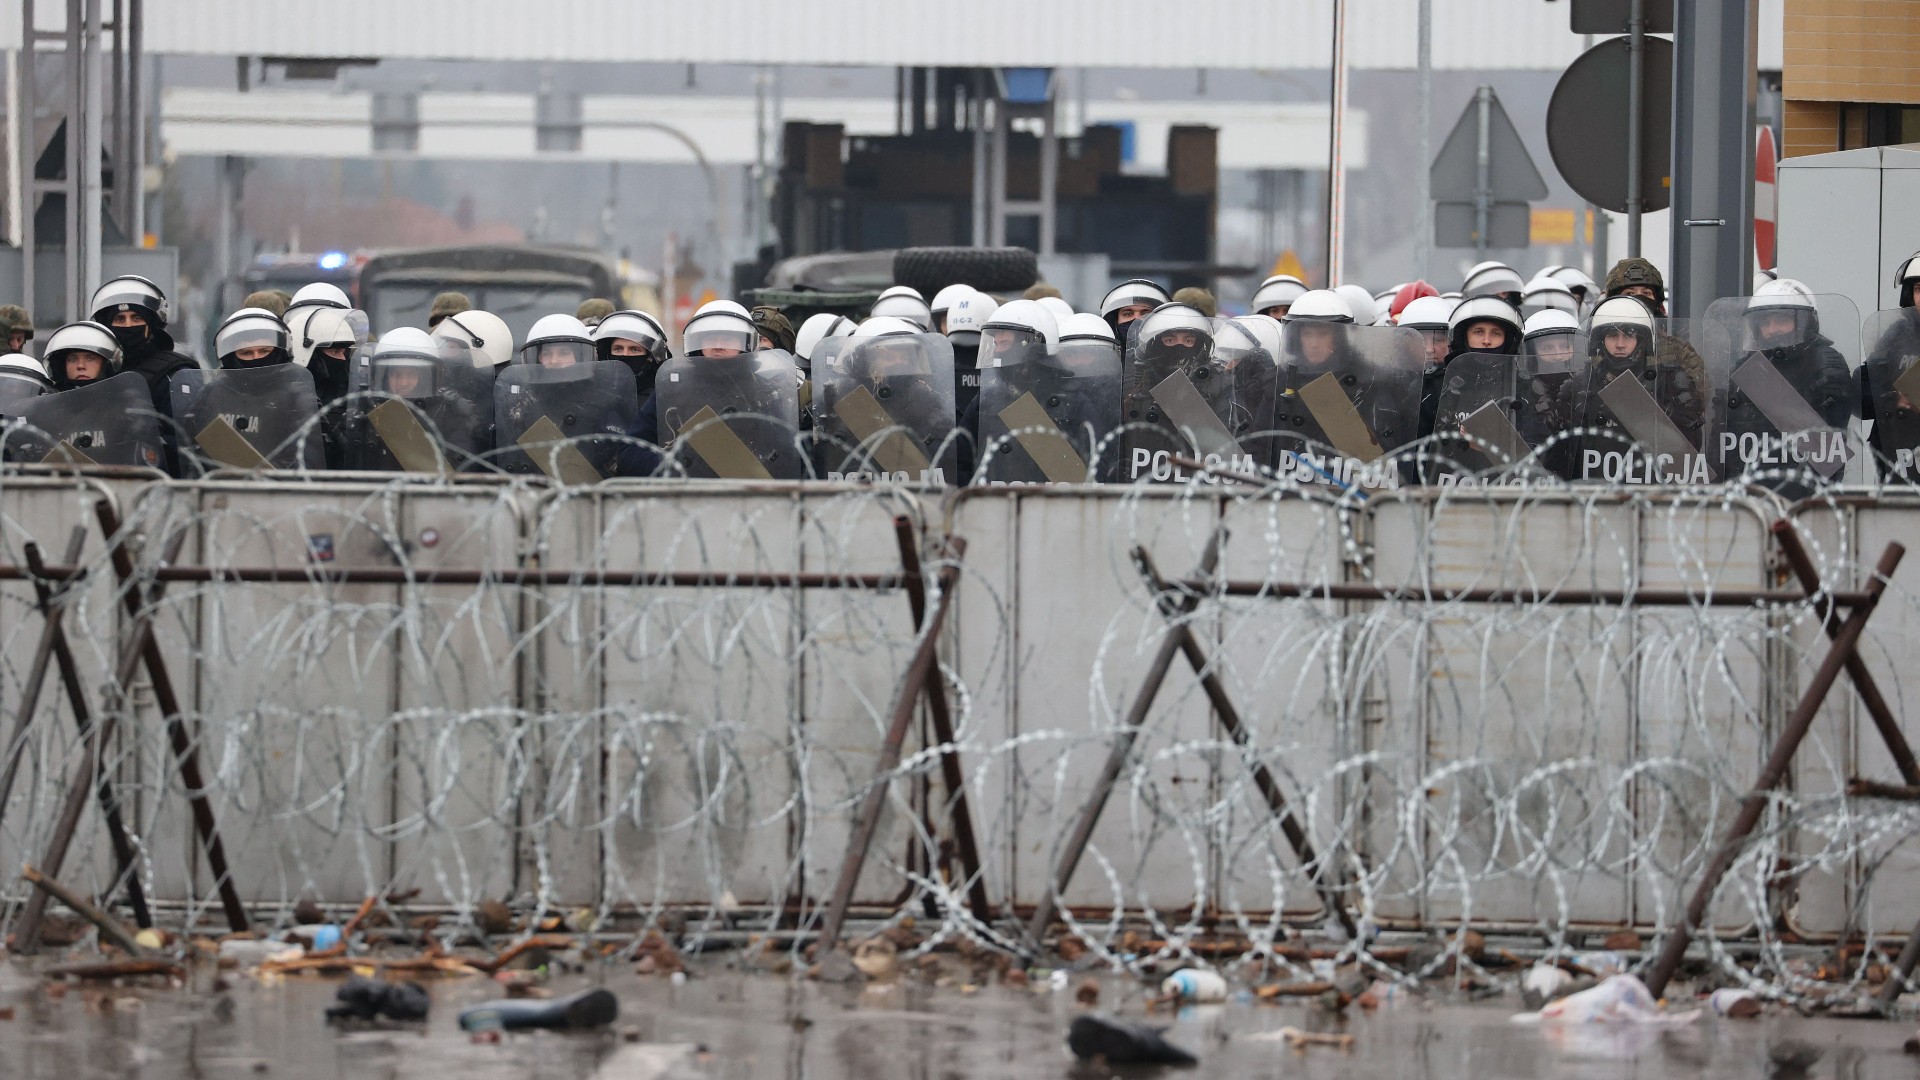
x: 756, y: 1025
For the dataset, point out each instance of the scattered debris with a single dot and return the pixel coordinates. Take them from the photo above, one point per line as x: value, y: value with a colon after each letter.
x: 1737, y: 1004
x: 1620, y: 999
x: 586, y: 1009
x: 877, y: 957
x: 1118, y: 1042
x: 493, y: 917
x: 1300, y: 1040
x: 119, y: 969
x: 110, y: 928
x: 1088, y: 993
x: 1543, y: 983
x: 1196, y: 985
x: 370, y: 999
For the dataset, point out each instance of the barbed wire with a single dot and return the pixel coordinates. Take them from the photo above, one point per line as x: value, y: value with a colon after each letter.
x: 694, y: 751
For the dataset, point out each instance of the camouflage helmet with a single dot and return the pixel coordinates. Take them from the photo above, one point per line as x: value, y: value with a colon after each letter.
x: 1198, y: 298
x: 592, y: 310
x: 447, y: 303
x: 14, y: 318
x: 268, y: 300
x: 774, y: 326
x: 1630, y: 272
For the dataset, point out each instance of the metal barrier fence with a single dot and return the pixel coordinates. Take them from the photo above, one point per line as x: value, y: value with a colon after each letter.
x: 658, y: 696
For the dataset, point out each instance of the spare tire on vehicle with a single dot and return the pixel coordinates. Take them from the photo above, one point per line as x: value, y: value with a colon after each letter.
x: 991, y: 269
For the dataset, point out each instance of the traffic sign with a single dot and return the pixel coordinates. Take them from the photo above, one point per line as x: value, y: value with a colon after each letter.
x: 1610, y: 16
x: 1483, y: 179
x: 1766, y: 203
x: 1587, y: 125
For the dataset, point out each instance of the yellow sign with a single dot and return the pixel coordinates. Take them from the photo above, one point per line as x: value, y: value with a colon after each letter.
x: 1551, y: 227
x: 1289, y: 263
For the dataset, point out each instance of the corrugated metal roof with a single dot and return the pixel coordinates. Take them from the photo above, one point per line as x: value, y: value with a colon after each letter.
x: 1221, y: 34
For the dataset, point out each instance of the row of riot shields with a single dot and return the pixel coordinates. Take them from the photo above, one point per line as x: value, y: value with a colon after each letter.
x: 1790, y: 402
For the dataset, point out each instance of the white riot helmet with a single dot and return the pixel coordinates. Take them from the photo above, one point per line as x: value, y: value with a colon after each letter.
x: 883, y: 326
x: 1359, y: 302
x: 720, y: 332
x: 1575, y: 279
x: 1475, y: 309
x: 314, y: 328
x: 1543, y: 293
x: 637, y: 327
x: 967, y: 315
x: 943, y: 300
x: 901, y: 302
x: 1628, y: 313
x: 1060, y: 309
x: 1278, y: 291
x: 487, y: 336
x: 317, y: 294
x: 1320, y: 305
x: 1905, y: 275
x: 733, y: 306
x: 557, y: 341
x: 818, y: 328
x: 129, y: 292
x: 1427, y: 313
x: 1491, y: 278
x: 86, y: 336
x: 1550, y: 321
x: 21, y: 377
x: 1020, y: 332
x: 252, y: 328
x: 1782, y: 296
x: 1085, y: 326
x: 1133, y: 292
x: 404, y: 361
x: 1551, y: 339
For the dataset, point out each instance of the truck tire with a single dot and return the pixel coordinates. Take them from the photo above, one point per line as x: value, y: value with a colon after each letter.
x: 993, y: 270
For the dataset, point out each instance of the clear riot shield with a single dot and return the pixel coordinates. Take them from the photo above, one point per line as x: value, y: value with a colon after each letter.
x: 1891, y: 383
x: 885, y: 408
x: 1183, y: 398
x: 1638, y: 416
x: 1348, y: 397
x: 110, y: 422
x: 1048, y: 419
x: 568, y: 423
x: 247, y: 418
x: 1786, y: 415
x: 1479, y: 415
x: 415, y: 415
x: 732, y: 419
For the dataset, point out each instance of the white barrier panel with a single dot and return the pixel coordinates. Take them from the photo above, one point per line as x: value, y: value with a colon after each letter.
x: 703, y: 742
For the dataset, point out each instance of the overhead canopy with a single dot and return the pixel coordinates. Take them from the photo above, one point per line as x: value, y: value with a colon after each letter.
x: 1219, y: 34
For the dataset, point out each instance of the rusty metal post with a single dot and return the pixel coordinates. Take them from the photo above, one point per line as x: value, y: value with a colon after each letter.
x: 186, y: 752
x: 1262, y: 777
x: 867, y: 822
x: 1120, y: 753
x: 1774, y: 770
x: 952, y: 775
x: 53, y: 611
x: 1883, y: 719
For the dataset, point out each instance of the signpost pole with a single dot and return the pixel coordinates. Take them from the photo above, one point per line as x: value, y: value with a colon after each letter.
x: 1714, y: 85
x: 1636, y: 82
x: 1482, y: 170
x: 1423, y: 180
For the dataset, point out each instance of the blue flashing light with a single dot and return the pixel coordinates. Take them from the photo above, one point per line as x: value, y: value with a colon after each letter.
x: 333, y: 260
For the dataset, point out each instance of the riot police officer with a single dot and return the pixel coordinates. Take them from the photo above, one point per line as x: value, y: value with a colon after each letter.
x: 22, y: 378
x: 80, y: 353
x: 1782, y: 328
x: 903, y: 302
x: 1128, y: 302
x: 1621, y: 342
x: 136, y: 311
x: 1277, y: 294
x: 1895, y: 350
x: 636, y: 339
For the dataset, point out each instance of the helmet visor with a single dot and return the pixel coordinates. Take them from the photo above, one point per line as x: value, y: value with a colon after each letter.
x: 556, y: 354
